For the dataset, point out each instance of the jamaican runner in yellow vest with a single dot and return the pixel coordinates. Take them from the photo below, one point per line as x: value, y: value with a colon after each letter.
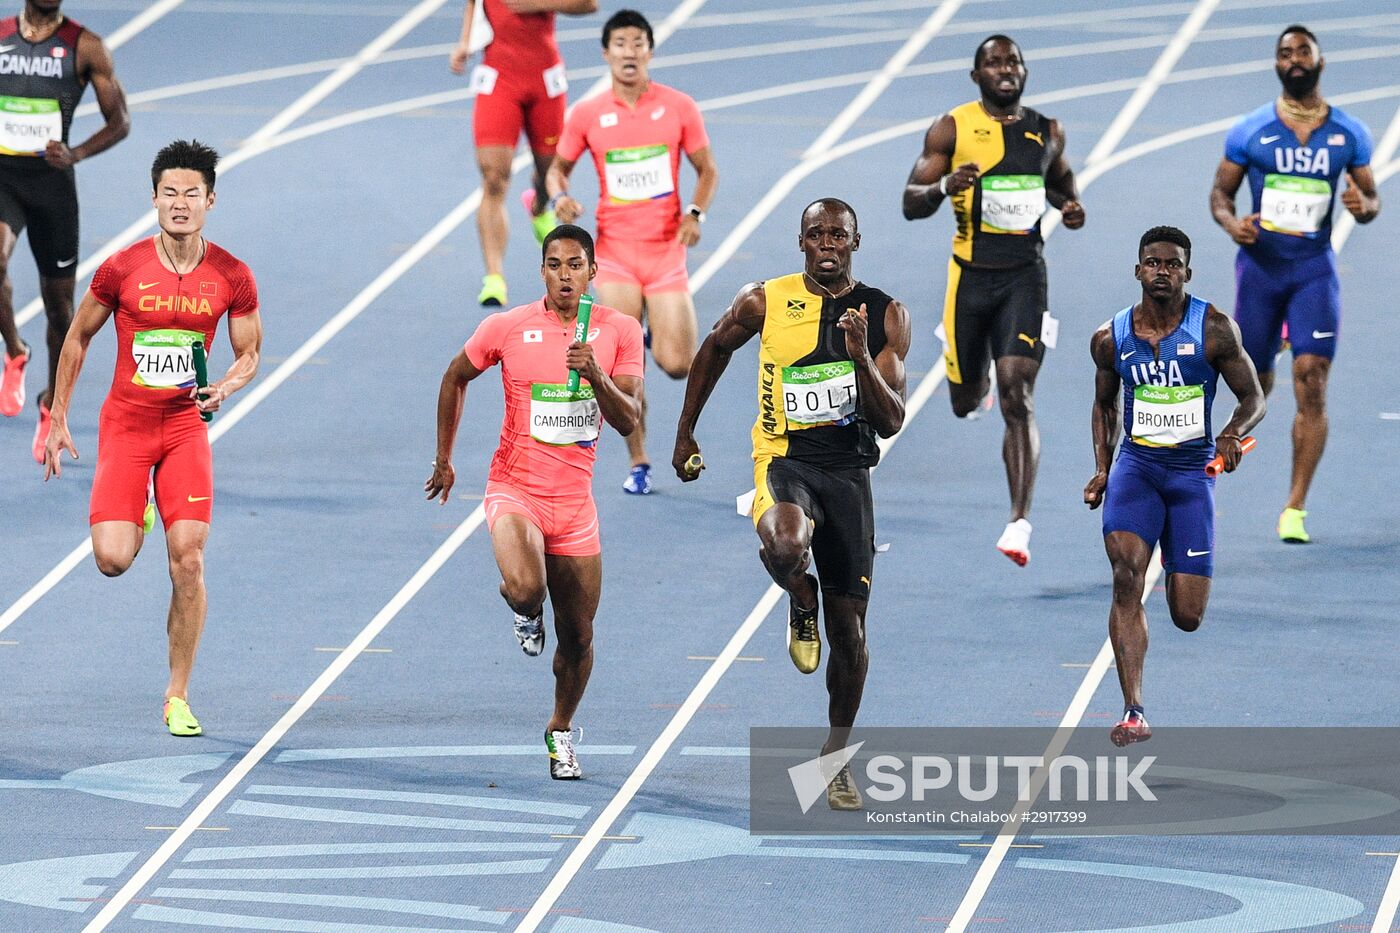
x: 1000, y: 164
x: 830, y: 379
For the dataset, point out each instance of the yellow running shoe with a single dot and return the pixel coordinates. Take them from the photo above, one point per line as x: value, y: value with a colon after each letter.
x: 540, y: 223
x: 178, y: 718
x: 493, y: 291
x: 1290, y: 527
x: 842, y: 793
x: 803, y: 639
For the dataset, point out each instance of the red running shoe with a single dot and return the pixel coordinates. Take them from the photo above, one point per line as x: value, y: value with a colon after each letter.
x: 12, y: 384
x: 1133, y: 728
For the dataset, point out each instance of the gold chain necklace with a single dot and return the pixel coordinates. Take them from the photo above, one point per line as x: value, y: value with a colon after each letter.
x: 31, y: 33
x: 833, y: 297
x: 1301, y: 113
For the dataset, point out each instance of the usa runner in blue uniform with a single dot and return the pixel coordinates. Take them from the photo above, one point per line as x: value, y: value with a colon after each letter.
x: 1295, y: 151
x: 1162, y: 357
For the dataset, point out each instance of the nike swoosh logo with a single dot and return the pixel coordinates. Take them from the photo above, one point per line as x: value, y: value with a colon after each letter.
x: 5, y: 48
x: 207, y: 498
x: 1323, y: 334
x: 145, y: 285
x: 66, y: 263
x: 1124, y: 356
x: 1191, y: 553
x: 1268, y: 139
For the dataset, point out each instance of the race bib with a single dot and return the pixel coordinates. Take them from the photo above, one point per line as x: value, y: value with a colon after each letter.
x: 163, y: 358
x: 554, y: 81
x: 1294, y: 205
x: 824, y: 394
x: 642, y: 173
x: 1012, y: 203
x: 1164, y: 416
x: 27, y: 124
x: 559, y: 417
x: 483, y: 80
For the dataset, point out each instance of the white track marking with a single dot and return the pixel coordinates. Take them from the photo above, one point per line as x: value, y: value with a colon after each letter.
x: 274, y: 735
x: 1390, y: 901
x: 128, y: 30
x: 439, y: 558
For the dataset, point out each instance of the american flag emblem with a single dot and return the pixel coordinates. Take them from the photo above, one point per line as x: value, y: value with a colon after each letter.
x: 1185, y: 349
x: 1337, y: 139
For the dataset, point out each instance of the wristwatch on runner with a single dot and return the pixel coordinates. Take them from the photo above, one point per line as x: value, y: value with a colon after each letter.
x: 694, y: 211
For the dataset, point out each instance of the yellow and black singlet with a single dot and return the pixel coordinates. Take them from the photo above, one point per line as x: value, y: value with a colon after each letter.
x: 999, y: 217
x: 808, y: 397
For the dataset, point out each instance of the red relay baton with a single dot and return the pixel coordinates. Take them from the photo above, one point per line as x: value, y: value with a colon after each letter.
x: 1217, y: 466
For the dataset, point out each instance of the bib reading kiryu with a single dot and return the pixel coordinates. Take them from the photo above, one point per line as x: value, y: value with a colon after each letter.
x: 1012, y: 203
x: 559, y: 417
x: 1164, y: 416
x: 1294, y: 205
x: 27, y: 124
x: 163, y: 358
x: 823, y: 394
x: 642, y: 173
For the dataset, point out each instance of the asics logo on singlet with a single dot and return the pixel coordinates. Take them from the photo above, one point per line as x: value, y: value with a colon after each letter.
x: 37, y: 67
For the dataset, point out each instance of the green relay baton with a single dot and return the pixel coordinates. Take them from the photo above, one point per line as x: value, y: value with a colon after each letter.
x: 585, y: 311
x: 201, y: 372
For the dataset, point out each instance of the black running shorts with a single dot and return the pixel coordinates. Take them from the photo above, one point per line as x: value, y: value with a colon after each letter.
x: 842, y: 510
x: 44, y: 200
x: 991, y: 313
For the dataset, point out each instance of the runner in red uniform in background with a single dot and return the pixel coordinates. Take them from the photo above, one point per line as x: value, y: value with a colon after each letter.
x: 519, y: 86
x: 166, y: 292
x: 636, y: 135
x: 539, y: 496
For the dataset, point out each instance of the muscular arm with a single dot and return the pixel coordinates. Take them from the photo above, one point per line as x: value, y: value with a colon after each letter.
x: 245, y: 335
x: 452, y: 395
x: 921, y: 194
x: 1228, y: 177
x: 1226, y: 353
x: 706, y: 181
x: 1104, y: 415
x: 92, y: 315
x: 881, y: 380
x: 95, y: 66
x: 556, y: 182
x: 736, y: 327
x: 620, y: 400
x: 1061, y: 189
x: 1360, y: 196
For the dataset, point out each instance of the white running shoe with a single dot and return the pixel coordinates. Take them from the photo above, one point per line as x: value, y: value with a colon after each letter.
x: 1015, y: 541
x: 529, y: 631
x: 563, y: 760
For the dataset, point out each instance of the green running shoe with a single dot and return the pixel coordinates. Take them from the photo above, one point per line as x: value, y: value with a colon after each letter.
x: 148, y: 517
x: 1290, y: 527
x: 178, y: 718
x: 542, y: 222
x: 493, y: 291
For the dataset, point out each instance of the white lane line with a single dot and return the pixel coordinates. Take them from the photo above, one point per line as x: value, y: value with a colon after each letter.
x: 439, y: 558
x: 877, y: 86
x: 140, y: 21
x: 206, y: 807
x: 1385, y: 150
x: 814, y: 156
x: 298, y: 107
x: 1390, y: 902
